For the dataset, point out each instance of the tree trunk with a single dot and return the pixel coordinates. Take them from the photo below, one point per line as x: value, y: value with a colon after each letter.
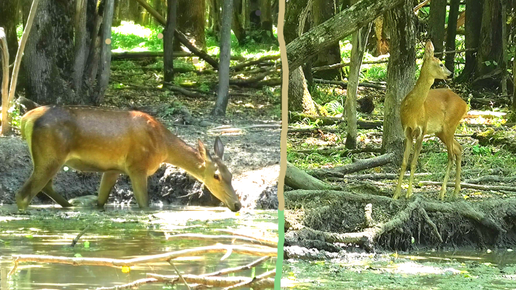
x: 490, y: 45
x: 225, y: 56
x: 134, y: 11
x: 266, y: 18
x: 400, y: 74
x: 505, y: 48
x: 168, y: 40
x: 323, y: 10
x: 215, y: 20
x: 47, y: 63
x: 236, y: 25
x: 472, y: 36
x: 81, y: 45
x: 191, y: 21
x: 436, y: 24
x: 9, y: 20
x: 450, y: 35
x: 359, y: 42
x: 299, y: 98
x: 334, y: 29
x: 105, y: 53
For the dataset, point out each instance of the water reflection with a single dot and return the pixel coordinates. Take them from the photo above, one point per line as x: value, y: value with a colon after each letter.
x: 119, y: 234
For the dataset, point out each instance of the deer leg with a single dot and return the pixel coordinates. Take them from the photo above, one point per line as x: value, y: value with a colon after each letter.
x: 406, y: 154
x: 139, y: 182
x: 106, y: 184
x: 40, y: 177
x: 451, y: 157
x: 419, y: 144
x: 458, y: 158
x: 50, y: 192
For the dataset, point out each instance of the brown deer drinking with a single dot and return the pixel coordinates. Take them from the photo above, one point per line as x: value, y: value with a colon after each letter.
x: 424, y: 111
x: 113, y: 142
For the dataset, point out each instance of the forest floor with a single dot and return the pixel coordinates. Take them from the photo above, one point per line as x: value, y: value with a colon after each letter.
x: 488, y: 175
x: 250, y: 131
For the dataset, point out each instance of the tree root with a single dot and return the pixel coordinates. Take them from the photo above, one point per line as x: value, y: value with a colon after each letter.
x: 493, y: 225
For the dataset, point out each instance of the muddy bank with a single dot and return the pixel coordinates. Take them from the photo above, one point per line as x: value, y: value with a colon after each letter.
x: 252, y: 155
x: 326, y: 224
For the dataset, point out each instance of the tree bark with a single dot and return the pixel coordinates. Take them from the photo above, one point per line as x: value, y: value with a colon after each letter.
x: 359, y: 42
x: 168, y: 40
x: 436, y: 24
x: 266, y: 18
x: 225, y: 56
x: 236, y: 25
x: 293, y: 11
x: 191, y: 21
x: 9, y: 20
x: 298, y: 179
x: 323, y: 10
x: 81, y: 45
x: 450, y: 35
x: 490, y: 45
x: 400, y: 74
x: 334, y: 29
x: 105, y: 53
x: 299, y: 98
x: 47, y: 63
x: 472, y: 28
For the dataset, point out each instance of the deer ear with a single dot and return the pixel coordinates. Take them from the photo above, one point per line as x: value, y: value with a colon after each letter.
x: 219, y: 147
x: 429, y: 49
x: 202, y: 150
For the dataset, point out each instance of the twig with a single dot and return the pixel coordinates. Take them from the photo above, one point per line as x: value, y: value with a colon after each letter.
x: 223, y: 238
x: 79, y: 236
x: 491, y: 178
x: 245, y: 235
x: 179, y: 274
x: 237, y: 269
x: 252, y: 280
x: 131, y: 285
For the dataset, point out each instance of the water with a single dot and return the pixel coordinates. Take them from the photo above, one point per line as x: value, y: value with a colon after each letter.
x: 120, y: 234
x: 468, y: 269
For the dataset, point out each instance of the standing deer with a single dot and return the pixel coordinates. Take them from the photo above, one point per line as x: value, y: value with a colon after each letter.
x: 424, y: 111
x: 113, y: 142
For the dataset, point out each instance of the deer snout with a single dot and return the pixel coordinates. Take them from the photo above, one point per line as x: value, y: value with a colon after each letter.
x: 236, y: 206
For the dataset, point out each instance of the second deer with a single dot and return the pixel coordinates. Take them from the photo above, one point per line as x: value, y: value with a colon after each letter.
x: 424, y: 111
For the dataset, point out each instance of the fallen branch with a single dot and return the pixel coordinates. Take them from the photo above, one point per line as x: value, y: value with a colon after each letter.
x: 298, y: 179
x: 294, y: 116
x: 341, y: 65
x: 379, y: 176
x: 132, y: 285
x: 77, y: 261
x: 354, y: 167
x: 185, y: 92
x: 341, y: 149
x: 345, y: 84
x: 253, y: 62
x: 215, y: 281
x: 492, y: 178
x: 251, y: 281
x: 235, y: 233
x: 238, y: 269
x: 473, y: 186
x: 222, y: 238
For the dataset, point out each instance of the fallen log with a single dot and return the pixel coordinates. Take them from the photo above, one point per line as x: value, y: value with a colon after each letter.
x: 354, y: 167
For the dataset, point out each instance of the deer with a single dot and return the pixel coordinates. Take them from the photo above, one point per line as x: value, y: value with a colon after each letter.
x: 424, y: 112
x: 113, y: 142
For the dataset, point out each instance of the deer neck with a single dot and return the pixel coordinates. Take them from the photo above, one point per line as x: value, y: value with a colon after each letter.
x: 184, y: 156
x: 420, y: 91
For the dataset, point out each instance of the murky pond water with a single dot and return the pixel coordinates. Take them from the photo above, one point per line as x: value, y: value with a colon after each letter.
x: 121, y: 234
x: 418, y: 270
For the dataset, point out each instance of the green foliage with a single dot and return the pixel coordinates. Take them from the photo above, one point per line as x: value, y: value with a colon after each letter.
x: 480, y: 150
x: 133, y: 37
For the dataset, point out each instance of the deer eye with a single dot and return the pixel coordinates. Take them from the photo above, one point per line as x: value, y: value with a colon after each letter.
x: 216, y: 176
x: 441, y: 65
